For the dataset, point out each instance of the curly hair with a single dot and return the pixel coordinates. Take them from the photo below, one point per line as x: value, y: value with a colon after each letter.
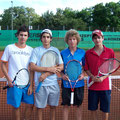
x: 72, y: 33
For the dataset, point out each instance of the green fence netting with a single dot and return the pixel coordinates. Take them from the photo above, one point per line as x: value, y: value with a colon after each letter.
x: 111, y: 39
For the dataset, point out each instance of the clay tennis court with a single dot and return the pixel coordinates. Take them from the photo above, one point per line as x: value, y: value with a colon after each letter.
x: 6, y: 111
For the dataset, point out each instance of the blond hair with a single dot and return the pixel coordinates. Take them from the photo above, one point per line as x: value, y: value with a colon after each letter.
x: 72, y: 33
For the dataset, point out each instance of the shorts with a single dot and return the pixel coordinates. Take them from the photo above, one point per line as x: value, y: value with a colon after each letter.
x: 78, y: 96
x: 104, y: 97
x: 16, y: 95
x: 47, y: 95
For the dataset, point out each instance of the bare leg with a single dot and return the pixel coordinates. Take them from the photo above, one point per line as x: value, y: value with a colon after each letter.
x: 28, y: 111
x: 16, y: 113
x: 105, y: 116
x: 39, y: 113
x: 52, y: 112
x: 79, y: 113
x: 94, y: 115
x: 65, y: 112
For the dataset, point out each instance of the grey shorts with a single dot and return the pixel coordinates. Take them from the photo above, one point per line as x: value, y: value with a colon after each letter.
x: 47, y: 95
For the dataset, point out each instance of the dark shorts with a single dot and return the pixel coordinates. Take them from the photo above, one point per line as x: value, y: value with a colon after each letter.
x: 78, y: 96
x: 102, y: 97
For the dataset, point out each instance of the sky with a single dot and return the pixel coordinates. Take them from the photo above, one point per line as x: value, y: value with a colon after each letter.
x: 41, y: 6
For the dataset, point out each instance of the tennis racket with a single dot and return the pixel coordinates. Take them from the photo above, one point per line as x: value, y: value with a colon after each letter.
x: 73, y: 70
x: 108, y: 67
x: 21, y: 79
x: 48, y: 59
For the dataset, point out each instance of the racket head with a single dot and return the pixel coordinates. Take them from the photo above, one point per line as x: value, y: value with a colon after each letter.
x: 21, y: 79
x: 109, y: 66
x: 73, y: 70
x: 49, y: 59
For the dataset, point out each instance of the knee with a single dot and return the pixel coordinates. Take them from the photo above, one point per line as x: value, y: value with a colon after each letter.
x: 52, y: 107
x: 29, y: 106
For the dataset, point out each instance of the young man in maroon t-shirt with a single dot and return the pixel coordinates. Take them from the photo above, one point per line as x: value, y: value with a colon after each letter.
x: 100, y: 91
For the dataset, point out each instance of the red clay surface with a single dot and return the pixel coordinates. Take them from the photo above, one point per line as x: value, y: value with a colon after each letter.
x: 6, y: 111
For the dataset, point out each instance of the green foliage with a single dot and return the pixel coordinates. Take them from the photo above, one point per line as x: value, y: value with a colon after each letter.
x: 21, y: 15
x: 113, y: 13
x: 105, y: 17
x: 99, y: 17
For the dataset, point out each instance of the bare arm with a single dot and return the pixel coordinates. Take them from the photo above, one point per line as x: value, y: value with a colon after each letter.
x: 46, y: 74
x: 4, y: 70
x: 54, y: 69
x: 95, y: 78
x: 89, y: 73
x: 65, y: 77
x: 30, y: 89
x: 60, y: 67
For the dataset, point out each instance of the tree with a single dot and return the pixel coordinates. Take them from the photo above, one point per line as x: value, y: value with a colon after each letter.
x: 100, y: 20
x: 6, y: 19
x: 21, y: 15
x: 113, y: 15
x: 71, y: 20
x: 59, y: 19
x: 69, y: 13
x: 105, y: 17
x: 48, y: 17
x: 86, y: 17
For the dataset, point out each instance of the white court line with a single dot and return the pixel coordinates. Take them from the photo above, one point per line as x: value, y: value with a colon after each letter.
x: 2, y: 79
x: 85, y: 78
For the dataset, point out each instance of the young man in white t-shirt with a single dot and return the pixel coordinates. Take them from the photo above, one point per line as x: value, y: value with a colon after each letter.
x: 49, y: 91
x: 17, y: 56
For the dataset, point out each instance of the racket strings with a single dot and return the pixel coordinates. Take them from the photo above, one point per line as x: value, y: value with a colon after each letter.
x: 49, y: 59
x: 22, y: 78
x: 109, y: 66
x: 73, y: 70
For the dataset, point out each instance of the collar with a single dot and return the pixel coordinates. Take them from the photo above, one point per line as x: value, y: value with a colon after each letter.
x: 19, y: 46
x: 92, y: 50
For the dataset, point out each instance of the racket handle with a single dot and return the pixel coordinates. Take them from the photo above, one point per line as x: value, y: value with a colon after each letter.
x: 90, y: 83
x: 5, y: 87
x: 72, y: 98
x: 38, y: 87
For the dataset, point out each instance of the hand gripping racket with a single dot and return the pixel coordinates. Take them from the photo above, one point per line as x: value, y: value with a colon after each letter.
x: 21, y: 79
x: 48, y: 59
x: 73, y: 70
x: 108, y: 67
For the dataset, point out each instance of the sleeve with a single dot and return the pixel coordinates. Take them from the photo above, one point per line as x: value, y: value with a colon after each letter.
x: 5, y: 56
x: 83, y: 59
x: 33, y: 57
x: 60, y: 58
x: 86, y: 63
x: 113, y: 54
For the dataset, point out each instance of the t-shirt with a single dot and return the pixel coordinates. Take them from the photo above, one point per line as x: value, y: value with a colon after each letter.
x: 17, y: 58
x: 36, y: 57
x: 79, y: 55
x: 92, y: 63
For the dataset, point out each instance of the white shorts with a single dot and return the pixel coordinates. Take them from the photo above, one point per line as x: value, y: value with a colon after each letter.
x: 47, y: 95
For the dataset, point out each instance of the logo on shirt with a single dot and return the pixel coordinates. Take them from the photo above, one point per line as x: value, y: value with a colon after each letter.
x: 21, y: 53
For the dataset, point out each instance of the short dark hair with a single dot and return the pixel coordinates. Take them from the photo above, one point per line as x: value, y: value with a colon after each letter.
x: 23, y: 28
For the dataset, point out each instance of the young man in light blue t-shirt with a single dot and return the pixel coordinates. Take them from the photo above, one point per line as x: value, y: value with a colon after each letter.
x: 49, y: 91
